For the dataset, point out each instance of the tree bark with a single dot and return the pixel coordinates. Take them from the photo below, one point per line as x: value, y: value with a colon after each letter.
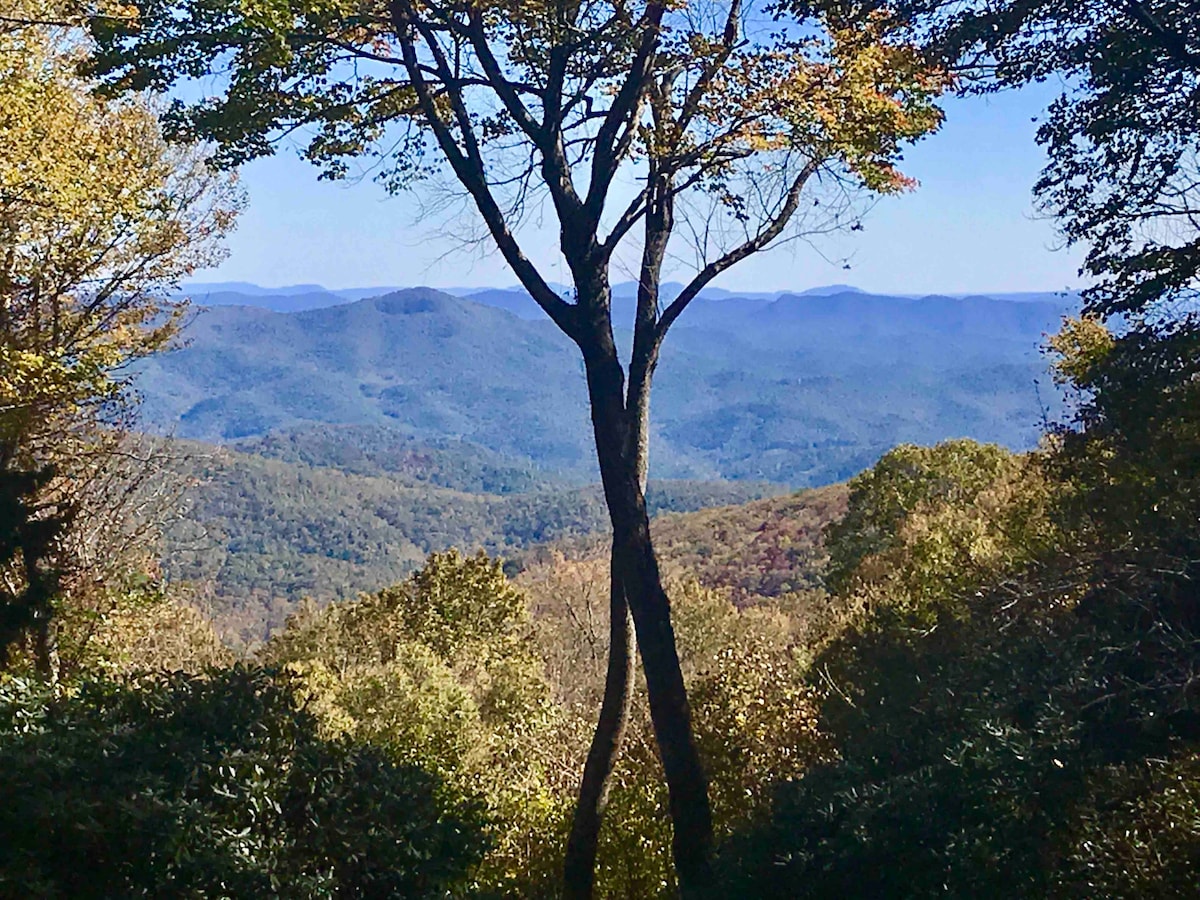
x: 45, y: 650
x: 39, y: 595
x: 636, y: 567
x: 669, y: 711
x: 579, y: 867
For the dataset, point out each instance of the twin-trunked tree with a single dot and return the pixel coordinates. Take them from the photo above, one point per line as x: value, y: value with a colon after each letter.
x: 702, y: 130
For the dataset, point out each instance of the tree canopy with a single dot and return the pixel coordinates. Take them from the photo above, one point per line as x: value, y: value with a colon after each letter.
x: 554, y: 97
x: 177, y: 785
x: 1121, y: 179
x: 99, y: 219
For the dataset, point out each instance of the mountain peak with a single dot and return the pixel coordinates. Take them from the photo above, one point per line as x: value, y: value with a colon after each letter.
x: 830, y: 289
x: 411, y: 300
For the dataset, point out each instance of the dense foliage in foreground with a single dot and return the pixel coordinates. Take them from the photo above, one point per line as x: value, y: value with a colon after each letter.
x: 981, y: 686
x: 216, y: 786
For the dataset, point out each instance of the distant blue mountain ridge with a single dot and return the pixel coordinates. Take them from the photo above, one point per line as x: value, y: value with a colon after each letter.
x: 299, y: 297
x: 796, y: 388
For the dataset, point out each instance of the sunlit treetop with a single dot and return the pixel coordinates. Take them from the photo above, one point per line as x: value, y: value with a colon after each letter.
x: 726, y: 78
x: 99, y: 220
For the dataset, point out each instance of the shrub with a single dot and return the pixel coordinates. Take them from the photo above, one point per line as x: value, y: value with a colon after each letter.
x: 180, y: 785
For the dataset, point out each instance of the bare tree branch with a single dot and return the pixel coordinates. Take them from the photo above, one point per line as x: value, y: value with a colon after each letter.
x: 768, y: 233
x: 468, y: 166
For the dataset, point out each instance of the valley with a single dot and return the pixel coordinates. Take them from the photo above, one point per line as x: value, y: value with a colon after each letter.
x: 333, y: 447
x: 261, y: 529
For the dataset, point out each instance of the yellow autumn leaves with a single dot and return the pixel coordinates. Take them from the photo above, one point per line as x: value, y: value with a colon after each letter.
x: 852, y: 98
x: 99, y: 218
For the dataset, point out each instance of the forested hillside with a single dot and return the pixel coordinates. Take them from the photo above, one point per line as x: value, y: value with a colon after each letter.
x: 767, y: 550
x: 801, y: 390
x: 255, y: 534
x: 381, y: 450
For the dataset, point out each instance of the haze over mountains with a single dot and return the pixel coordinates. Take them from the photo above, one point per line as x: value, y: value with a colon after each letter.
x: 800, y: 389
x: 368, y: 431
x: 298, y: 297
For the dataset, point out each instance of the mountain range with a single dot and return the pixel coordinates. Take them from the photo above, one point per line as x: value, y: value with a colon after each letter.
x: 799, y: 389
x: 299, y: 297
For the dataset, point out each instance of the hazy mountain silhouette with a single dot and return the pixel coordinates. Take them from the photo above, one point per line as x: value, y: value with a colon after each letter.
x: 804, y: 389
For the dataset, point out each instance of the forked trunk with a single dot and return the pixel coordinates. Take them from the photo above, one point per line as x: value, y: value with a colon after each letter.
x: 635, y: 568
x: 579, y: 867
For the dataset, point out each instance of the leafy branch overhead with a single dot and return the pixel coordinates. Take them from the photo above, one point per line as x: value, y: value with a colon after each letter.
x: 741, y: 103
x: 1122, y: 177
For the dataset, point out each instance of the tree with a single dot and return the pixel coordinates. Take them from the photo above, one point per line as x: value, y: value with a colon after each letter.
x: 441, y: 672
x: 724, y: 116
x: 26, y: 541
x: 755, y: 725
x: 1009, y: 691
x: 147, y: 627
x: 99, y: 218
x: 1122, y: 178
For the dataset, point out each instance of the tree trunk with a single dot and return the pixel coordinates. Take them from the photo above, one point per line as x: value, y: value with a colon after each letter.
x: 39, y: 595
x: 45, y: 650
x: 635, y: 567
x: 579, y: 867
x: 687, y: 786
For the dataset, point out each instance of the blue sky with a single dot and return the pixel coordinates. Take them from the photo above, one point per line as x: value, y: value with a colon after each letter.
x: 971, y: 226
